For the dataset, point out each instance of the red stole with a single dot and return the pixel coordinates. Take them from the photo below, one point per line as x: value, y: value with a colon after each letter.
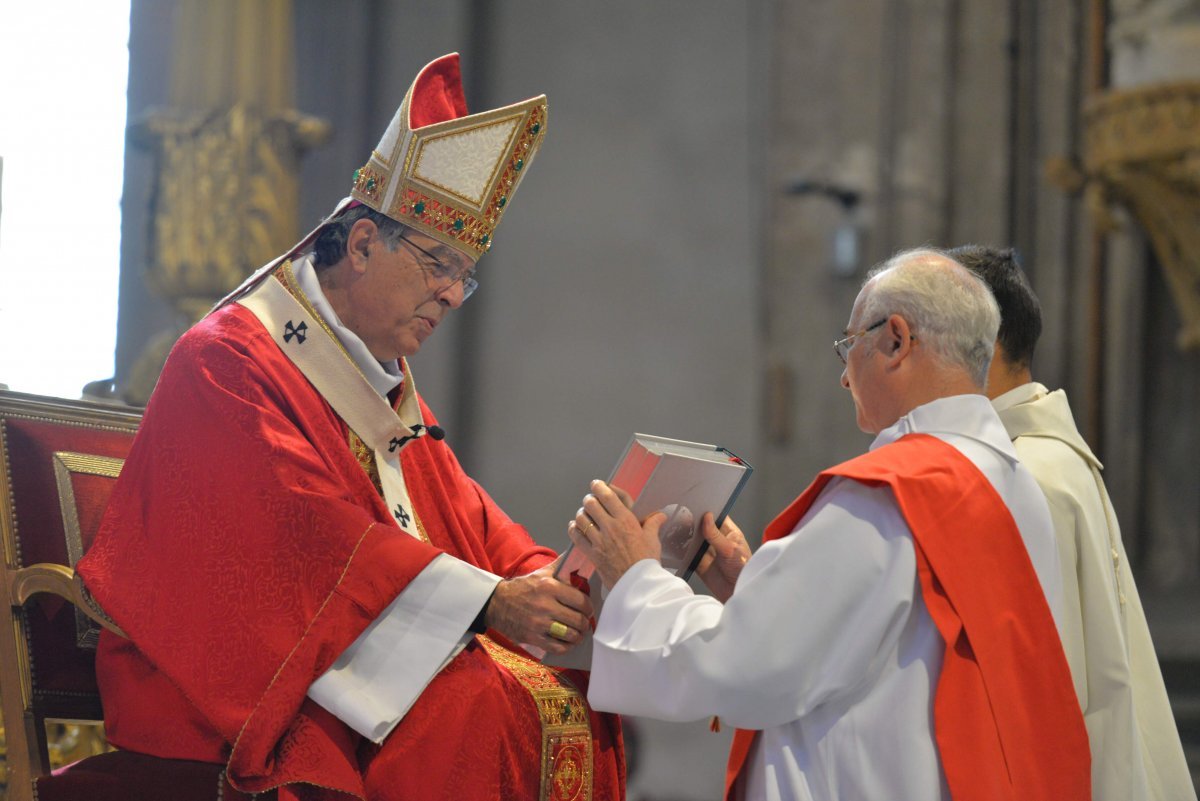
x: 1006, y: 719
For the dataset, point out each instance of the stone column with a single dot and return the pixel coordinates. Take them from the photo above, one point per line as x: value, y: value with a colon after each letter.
x: 225, y: 155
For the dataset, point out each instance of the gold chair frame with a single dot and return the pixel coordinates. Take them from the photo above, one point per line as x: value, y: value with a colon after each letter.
x: 24, y: 722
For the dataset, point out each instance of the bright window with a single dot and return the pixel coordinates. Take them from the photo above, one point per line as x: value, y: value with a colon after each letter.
x: 64, y: 66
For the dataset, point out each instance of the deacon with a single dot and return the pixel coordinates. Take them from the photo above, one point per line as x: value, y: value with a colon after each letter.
x: 315, y: 594
x: 894, y: 637
x: 1136, y: 751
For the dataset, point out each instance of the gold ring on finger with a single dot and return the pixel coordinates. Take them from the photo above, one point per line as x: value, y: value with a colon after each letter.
x: 558, y: 630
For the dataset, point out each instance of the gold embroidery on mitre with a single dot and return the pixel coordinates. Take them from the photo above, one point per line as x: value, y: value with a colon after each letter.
x: 566, y: 773
x: 438, y: 213
x: 369, y: 184
x: 433, y: 148
x: 453, y: 179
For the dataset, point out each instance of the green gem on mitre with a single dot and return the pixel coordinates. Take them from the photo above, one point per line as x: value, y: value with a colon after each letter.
x: 483, y: 240
x: 458, y: 224
x: 371, y: 184
x: 419, y: 207
x: 537, y: 126
x: 357, y: 173
x: 502, y: 201
x: 520, y: 163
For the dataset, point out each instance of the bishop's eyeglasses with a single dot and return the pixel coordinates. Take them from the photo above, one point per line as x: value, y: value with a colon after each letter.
x: 445, y: 276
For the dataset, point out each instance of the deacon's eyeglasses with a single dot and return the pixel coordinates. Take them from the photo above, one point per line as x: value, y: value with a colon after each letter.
x: 842, y: 346
x: 443, y: 275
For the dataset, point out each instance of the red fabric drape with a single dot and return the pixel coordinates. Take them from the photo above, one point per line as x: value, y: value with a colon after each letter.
x: 1006, y: 720
x: 234, y: 608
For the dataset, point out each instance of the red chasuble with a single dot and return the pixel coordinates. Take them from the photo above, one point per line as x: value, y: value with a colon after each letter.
x: 1006, y: 720
x: 246, y: 546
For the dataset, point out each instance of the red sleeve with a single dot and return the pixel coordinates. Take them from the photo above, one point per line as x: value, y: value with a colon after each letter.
x: 510, y: 548
x: 461, y: 517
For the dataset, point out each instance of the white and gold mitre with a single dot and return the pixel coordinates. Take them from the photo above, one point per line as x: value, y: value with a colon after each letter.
x: 447, y: 174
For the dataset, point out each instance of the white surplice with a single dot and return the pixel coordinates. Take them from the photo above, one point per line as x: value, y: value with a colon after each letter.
x: 825, y: 645
x: 1136, y: 752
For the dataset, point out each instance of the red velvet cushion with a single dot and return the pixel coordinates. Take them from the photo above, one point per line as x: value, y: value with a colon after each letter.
x: 130, y: 776
x: 31, y: 445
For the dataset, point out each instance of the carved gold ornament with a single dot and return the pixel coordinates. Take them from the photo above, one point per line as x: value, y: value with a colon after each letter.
x: 1142, y: 151
x: 224, y: 202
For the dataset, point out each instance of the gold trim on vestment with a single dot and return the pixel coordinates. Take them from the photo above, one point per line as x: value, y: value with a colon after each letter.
x: 288, y: 279
x: 362, y: 452
x: 87, y: 634
x: 566, y: 773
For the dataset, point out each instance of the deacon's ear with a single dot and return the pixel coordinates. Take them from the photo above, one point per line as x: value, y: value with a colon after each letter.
x: 899, y: 336
x: 895, y: 335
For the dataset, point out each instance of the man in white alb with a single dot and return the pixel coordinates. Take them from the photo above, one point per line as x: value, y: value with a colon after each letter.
x: 877, y: 645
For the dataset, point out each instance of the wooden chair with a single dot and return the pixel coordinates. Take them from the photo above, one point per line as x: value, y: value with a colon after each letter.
x: 60, y: 461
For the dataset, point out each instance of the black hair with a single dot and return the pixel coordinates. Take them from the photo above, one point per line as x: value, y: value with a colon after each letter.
x: 1020, y: 311
x: 330, y: 245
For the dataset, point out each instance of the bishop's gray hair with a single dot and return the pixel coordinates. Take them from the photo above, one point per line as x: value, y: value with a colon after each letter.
x: 330, y: 244
x: 950, y: 310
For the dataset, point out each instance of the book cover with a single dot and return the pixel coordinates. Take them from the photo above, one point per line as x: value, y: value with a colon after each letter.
x: 681, y: 479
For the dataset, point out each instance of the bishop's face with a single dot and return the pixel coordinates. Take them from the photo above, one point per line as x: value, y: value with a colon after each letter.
x: 404, y: 294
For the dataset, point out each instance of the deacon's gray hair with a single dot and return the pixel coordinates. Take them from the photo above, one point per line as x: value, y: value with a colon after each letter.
x: 950, y: 310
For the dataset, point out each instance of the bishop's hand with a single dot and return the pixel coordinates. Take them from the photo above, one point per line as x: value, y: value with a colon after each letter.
x: 540, y: 610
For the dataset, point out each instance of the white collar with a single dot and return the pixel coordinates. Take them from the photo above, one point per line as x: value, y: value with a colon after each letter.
x: 383, y: 376
x: 1019, y: 395
x: 971, y: 416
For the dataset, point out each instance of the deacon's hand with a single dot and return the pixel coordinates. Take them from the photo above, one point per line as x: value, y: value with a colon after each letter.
x: 540, y: 610
x: 610, y: 534
x: 727, y: 554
